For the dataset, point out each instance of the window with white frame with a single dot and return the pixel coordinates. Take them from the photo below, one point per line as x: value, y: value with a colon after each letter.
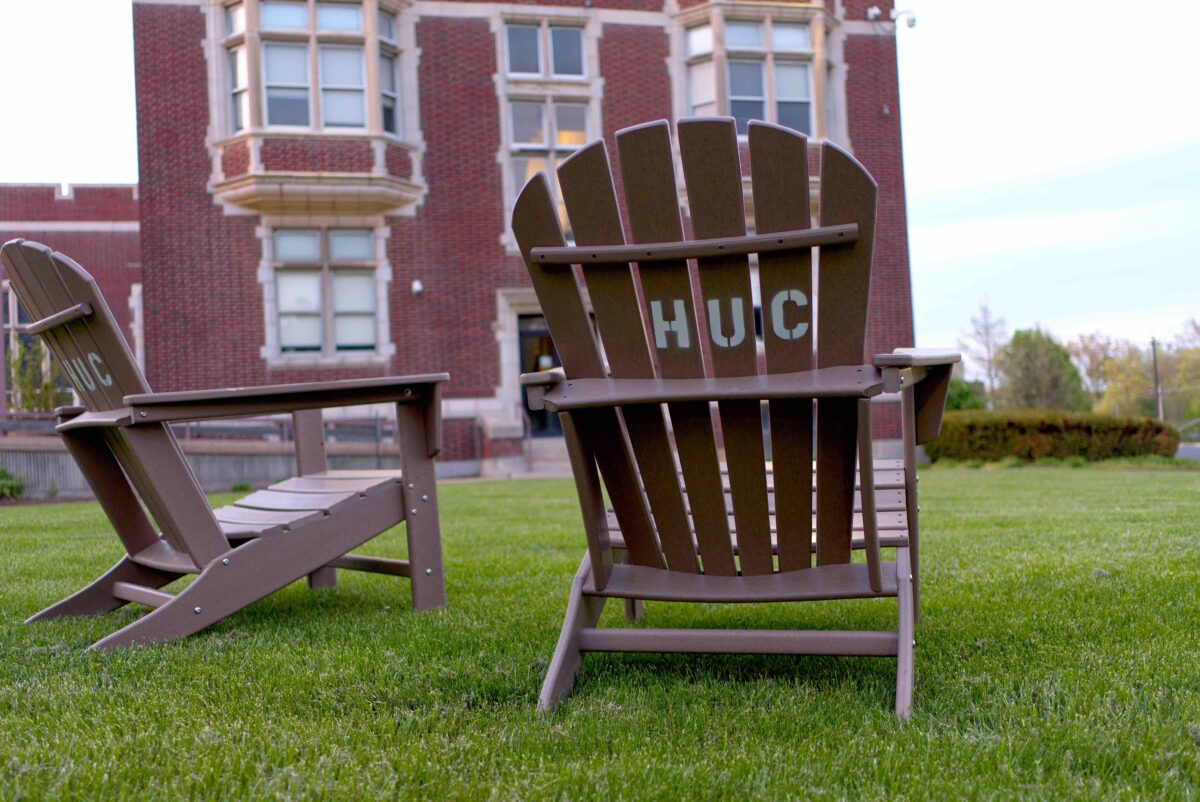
x: 543, y: 50
x: 768, y: 72
x: 547, y: 109
x: 312, y: 66
x: 325, y: 290
x: 389, y: 78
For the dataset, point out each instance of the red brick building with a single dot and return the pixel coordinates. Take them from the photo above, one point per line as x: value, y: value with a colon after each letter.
x: 325, y: 184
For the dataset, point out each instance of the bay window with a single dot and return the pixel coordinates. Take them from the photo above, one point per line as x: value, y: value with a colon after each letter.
x: 767, y: 72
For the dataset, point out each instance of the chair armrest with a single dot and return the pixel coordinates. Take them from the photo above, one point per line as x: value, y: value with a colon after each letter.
x: 245, y: 402
x: 536, y: 384
x: 916, y: 357
x: 850, y: 381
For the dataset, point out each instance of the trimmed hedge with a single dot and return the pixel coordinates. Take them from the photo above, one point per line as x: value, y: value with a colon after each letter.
x: 1032, y: 434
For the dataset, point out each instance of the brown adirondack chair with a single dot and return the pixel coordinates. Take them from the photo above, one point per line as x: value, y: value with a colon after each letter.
x: 121, y: 441
x: 698, y: 513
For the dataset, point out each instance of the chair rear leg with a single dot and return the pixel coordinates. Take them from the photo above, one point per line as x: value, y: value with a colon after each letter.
x: 98, y: 597
x: 904, y: 630
x: 582, y: 612
x: 634, y: 610
x: 323, y: 577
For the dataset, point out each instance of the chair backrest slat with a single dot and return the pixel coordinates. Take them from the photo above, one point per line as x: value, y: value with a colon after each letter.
x: 535, y: 223
x: 847, y: 196
x: 652, y: 202
x: 713, y: 177
x: 779, y: 177
x: 102, y: 369
x: 587, y: 187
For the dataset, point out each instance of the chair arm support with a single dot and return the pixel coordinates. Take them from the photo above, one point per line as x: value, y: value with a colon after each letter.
x: 536, y: 385
x: 926, y: 371
x: 242, y: 402
x: 862, y: 381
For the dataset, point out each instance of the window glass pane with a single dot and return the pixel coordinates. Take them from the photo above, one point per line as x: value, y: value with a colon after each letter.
x: 286, y: 64
x: 567, y: 46
x: 387, y: 26
x: 354, y: 291
x: 287, y: 107
x: 343, y: 107
x: 299, y: 290
x: 743, y: 111
x: 300, y: 332
x: 240, y: 110
x: 235, y: 18
x: 699, y: 40
x: 745, y: 79
x: 350, y: 244
x: 390, y: 120
x: 339, y: 17
x: 525, y: 169
x: 294, y: 245
x: 794, y: 114
x: 341, y: 66
x: 570, y: 120
x: 527, y: 125
x: 278, y: 15
x: 354, y: 332
x: 702, y: 85
x: 743, y: 34
x: 237, y: 68
x: 523, y: 49
x: 387, y: 74
x: 791, y: 81
x: 791, y: 37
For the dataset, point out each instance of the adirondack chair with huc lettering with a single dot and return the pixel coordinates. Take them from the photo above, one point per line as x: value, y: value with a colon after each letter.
x: 121, y: 440
x: 698, y: 512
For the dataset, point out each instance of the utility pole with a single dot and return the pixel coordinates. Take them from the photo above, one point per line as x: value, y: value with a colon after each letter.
x: 1157, y: 387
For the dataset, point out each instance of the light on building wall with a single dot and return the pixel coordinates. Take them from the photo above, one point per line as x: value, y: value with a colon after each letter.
x: 874, y: 13
x: 417, y: 287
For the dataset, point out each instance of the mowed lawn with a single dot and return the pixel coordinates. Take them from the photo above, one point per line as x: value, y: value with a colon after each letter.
x: 1058, y: 656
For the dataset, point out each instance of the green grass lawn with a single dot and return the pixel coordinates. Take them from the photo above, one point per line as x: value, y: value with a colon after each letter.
x: 1058, y: 656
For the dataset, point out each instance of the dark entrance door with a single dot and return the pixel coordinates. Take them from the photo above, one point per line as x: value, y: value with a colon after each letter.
x: 537, y: 353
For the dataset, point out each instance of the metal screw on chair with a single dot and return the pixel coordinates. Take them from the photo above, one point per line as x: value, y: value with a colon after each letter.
x: 411, y: 486
x: 428, y: 572
x: 413, y: 511
x: 143, y: 414
x: 225, y: 561
x: 197, y: 611
x: 424, y: 498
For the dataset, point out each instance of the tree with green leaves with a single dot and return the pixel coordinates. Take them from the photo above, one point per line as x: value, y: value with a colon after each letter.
x: 1038, y: 373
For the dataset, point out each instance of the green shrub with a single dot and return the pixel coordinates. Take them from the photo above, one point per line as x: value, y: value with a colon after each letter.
x: 1032, y: 435
x: 10, y: 486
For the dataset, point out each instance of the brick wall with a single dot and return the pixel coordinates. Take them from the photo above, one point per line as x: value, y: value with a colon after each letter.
x: 316, y: 155
x: 203, y: 303
x: 83, y: 202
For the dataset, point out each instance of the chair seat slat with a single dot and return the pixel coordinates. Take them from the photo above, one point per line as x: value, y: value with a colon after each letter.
x: 846, y: 581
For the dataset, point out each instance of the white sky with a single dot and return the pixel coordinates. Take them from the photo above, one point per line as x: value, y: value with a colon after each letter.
x: 1052, y: 150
